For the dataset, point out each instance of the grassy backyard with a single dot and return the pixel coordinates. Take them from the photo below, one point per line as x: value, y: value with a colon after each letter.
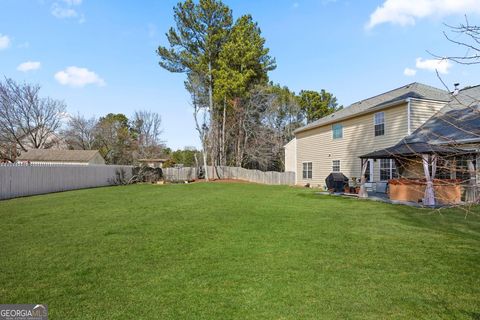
x: 244, y: 251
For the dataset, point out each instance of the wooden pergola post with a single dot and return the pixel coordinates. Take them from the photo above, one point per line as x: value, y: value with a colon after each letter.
x: 429, y: 197
x: 471, y: 194
x: 362, y: 193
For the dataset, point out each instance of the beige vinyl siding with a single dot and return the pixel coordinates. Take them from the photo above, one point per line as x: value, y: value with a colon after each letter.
x: 318, y: 146
x: 290, y: 161
x: 422, y: 110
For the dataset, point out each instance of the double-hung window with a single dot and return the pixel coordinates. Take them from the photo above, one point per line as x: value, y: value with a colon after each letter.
x: 336, y: 166
x: 388, y: 170
x: 379, y: 124
x: 307, y: 170
x: 337, y: 131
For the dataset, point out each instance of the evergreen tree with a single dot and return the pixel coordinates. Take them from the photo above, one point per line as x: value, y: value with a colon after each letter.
x: 316, y: 105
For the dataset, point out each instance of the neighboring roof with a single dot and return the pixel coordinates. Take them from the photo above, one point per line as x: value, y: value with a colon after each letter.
x: 413, y: 90
x: 457, y: 122
x: 58, y: 155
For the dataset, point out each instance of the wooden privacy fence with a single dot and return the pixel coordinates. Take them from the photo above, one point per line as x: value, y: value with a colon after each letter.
x: 223, y: 172
x: 257, y: 176
x: 180, y: 174
x: 24, y: 180
x: 17, y: 180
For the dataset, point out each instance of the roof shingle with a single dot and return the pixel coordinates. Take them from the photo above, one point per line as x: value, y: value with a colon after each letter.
x: 58, y: 155
x: 412, y: 90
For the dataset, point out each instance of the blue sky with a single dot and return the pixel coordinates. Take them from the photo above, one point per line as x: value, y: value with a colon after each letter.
x: 99, y: 56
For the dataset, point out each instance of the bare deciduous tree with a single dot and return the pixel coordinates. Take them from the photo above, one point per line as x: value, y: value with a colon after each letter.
x: 147, y: 125
x: 468, y: 38
x: 80, y: 132
x: 196, y: 88
x: 26, y: 119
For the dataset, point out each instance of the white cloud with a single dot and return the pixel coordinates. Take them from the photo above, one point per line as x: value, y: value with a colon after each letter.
x: 4, y: 42
x: 409, y: 72
x: 442, y: 66
x: 65, y: 9
x: 73, y: 2
x: 406, y: 12
x: 63, y: 13
x: 29, y: 66
x: 78, y: 77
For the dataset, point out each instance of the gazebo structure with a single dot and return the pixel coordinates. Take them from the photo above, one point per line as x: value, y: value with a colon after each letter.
x: 438, y: 160
x: 417, y: 165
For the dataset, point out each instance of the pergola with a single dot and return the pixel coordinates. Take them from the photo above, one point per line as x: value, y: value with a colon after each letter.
x: 429, y: 154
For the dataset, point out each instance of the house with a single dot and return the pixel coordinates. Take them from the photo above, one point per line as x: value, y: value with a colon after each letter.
x: 290, y: 160
x: 438, y: 162
x: 335, y: 143
x: 31, y: 140
x: 49, y: 140
x: 153, y: 162
x: 65, y: 157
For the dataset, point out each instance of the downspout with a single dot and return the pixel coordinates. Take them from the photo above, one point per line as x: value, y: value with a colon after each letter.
x: 409, y: 118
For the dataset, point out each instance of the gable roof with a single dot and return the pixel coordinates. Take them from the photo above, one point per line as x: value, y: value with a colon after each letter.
x: 58, y: 155
x: 457, y: 122
x: 413, y: 90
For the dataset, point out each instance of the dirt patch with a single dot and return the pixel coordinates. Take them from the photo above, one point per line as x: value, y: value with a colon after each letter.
x: 223, y: 181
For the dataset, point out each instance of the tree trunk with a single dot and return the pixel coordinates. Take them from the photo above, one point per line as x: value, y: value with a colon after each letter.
x: 223, y: 156
x: 204, y: 155
x: 212, y: 115
x: 238, y: 156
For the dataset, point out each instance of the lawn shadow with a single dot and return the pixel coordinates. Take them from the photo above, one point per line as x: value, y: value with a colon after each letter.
x: 454, y: 221
x: 462, y: 221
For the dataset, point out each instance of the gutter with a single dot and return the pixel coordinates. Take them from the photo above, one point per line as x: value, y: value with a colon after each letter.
x: 409, y: 111
x: 460, y: 141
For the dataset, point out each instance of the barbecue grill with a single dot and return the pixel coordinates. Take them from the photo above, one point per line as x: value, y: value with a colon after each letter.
x: 336, y: 181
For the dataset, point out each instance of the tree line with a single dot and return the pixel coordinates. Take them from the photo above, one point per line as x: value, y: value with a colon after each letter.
x: 30, y: 121
x: 242, y: 118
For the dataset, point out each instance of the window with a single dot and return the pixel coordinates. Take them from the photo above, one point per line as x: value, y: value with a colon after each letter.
x: 336, y: 165
x: 337, y: 131
x: 443, y: 169
x: 388, y: 170
x: 307, y: 170
x: 379, y: 121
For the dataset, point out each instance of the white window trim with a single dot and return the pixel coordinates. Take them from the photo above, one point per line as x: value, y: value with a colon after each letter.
x: 341, y: 126
x: 390, y: 170
x: 307, y: 170
x: 370, y: 168
x: 339, y: 165
x: 384, y: 124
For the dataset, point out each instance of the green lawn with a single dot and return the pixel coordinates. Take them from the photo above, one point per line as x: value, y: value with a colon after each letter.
x: 236, y: 251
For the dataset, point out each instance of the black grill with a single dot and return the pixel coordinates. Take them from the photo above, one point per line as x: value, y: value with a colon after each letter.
x: 336, y: 181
